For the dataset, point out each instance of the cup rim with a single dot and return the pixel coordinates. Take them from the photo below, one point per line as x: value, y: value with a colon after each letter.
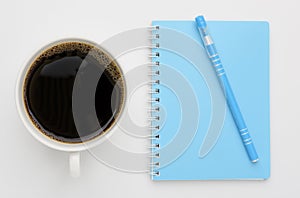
x: 36, y: 133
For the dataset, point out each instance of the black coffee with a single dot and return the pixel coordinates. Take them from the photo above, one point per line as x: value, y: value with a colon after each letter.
x: 73, y: 75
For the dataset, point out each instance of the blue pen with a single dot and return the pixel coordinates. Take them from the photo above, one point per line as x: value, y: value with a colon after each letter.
x: 231, y: 101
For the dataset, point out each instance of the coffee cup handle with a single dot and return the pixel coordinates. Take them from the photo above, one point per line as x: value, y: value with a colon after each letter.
x: 74, y: 164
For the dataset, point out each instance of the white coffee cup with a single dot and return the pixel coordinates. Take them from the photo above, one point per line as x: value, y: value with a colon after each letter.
x: 73, y: 149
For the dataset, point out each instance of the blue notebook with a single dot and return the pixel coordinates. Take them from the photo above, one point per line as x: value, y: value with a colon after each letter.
x: 194, y: 134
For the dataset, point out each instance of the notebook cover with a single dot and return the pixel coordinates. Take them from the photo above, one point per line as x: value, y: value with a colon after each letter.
x: 194, y: 117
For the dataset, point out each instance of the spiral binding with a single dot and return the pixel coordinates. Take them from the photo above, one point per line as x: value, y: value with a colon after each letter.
x: 154, y: 101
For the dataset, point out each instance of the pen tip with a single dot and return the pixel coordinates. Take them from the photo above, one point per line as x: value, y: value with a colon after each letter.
x: 254, y: 161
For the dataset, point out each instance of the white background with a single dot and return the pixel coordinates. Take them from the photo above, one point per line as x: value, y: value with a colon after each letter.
x: 28, y: 168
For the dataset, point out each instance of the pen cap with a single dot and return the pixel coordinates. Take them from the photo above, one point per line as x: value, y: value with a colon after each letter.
x: 200, y: 21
